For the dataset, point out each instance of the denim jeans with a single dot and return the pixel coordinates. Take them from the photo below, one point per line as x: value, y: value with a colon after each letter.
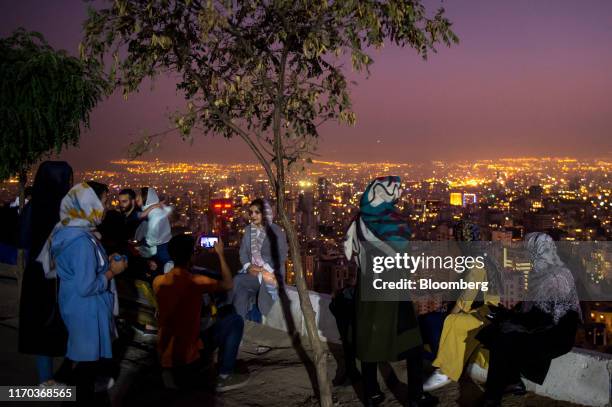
x: 44, y: 366
x: 162, y: 255
x: 225, y: 334
x: 244, y: 293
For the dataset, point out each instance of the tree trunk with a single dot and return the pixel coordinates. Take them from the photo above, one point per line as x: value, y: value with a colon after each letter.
x: 320, y: 357
x: 20, y: 266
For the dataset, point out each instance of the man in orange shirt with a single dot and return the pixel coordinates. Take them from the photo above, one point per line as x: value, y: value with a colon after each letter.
x: 179, y: 298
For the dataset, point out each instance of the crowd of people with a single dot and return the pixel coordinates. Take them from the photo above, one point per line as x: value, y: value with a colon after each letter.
x: 77, y: 248
x: 475, y: 333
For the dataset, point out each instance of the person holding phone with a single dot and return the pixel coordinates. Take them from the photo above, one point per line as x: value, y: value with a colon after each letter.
x: 208, y: 242
x: 179, y: 298
x: 263, y: 252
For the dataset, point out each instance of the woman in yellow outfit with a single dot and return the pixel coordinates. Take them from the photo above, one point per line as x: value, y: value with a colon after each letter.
x: 458, y: 344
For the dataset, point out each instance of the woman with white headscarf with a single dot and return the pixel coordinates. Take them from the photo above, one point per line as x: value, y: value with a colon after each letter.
x: 154, y: 231
x: 86, y: 298
x: 263, y: 252
x: 543, y: 327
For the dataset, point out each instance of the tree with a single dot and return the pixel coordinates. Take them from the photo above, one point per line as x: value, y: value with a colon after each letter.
x: 266, y: 71
x: 45, y: 96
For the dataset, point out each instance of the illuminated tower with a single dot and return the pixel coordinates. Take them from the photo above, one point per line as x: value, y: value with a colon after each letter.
x: 221, y: 214
x: 456, y: 198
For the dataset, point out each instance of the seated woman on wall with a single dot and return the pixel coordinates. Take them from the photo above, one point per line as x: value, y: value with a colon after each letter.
x: 263, y: 252
x: 523, y: 341
x: 458, y: 345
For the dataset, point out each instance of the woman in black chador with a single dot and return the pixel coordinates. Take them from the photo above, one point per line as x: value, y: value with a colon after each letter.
x: 41, y: 330
x: 523, y: 341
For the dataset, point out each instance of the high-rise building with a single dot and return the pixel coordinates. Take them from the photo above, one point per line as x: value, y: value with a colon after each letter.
x: 536, y: 192
x: 323, y: 188
x: 501, y: 235
x: 538, y: 221
x: 308, y: 221
x: 514, y: 289
x: 221, y: 214
x: 469, y: 199
x: 456, y: 198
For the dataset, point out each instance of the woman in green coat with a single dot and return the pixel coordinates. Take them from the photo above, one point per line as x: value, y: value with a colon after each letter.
x: 384, y: 330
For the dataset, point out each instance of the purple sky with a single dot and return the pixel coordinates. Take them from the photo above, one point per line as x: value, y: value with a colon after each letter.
x: 528, y: 78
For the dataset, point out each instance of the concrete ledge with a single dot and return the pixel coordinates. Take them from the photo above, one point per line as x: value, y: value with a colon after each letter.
x: 326, y: 323
x: 581, y: 376
x: 8, y: 271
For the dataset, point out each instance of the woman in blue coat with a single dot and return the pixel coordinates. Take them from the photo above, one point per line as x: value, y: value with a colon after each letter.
x: 86, y: 295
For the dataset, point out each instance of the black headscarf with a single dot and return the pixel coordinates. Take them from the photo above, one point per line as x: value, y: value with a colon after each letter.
x: 52, y: 182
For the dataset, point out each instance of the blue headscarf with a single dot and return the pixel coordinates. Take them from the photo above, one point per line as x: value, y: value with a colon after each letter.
x: 379, y: 213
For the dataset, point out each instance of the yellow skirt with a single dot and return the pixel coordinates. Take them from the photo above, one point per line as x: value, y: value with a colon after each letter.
x: 458, y: 344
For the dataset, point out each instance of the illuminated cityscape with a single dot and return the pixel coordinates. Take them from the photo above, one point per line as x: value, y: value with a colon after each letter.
x: 507, y: 198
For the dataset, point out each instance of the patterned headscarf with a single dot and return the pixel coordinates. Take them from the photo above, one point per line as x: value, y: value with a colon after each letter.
x: 80, y: 208
x: 551, y: 284
x: 378, y: 219
x: 378, y: 211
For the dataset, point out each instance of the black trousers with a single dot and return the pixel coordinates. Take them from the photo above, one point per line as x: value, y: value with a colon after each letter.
x: 528, y: 352
x: 84, y: 378
x: 343, y: 310
x: 84, y: 375
x: 504, y: 368
x: 414, y: 367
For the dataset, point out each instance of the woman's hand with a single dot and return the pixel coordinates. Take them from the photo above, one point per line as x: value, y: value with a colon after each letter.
x: 269, y: 278
x: 255, y: 270
x: 117, y: 267
x: 219, y: 248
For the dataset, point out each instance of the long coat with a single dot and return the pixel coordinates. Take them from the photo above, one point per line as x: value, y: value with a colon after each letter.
x: 85, y: 298
x: 384, y: 330
x: 273, y: 252
x: 41, y: 330
x: 38, y: 312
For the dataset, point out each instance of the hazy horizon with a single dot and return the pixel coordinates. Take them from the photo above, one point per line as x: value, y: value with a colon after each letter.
x: 527, y: 79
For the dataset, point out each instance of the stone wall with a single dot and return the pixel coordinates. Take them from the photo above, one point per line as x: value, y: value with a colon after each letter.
x: 581, y: 376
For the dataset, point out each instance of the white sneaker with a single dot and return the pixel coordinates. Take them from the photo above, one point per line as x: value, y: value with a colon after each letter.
x: 477, y: 373
x: 435, y: 381
x: 52, y: 383
x: 103, y: 384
